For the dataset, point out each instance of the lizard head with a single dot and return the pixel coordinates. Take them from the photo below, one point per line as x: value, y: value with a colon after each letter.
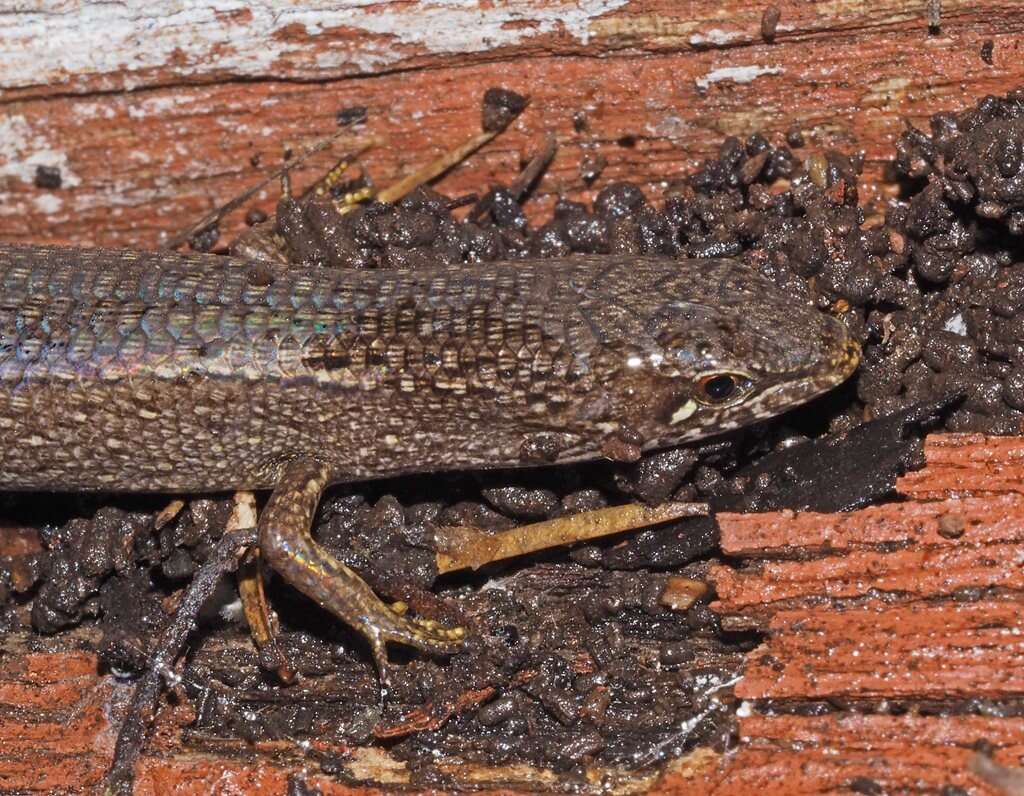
x: 719, y: 347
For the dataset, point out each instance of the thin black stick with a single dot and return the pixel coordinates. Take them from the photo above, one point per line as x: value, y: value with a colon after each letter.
x: 132, y: 736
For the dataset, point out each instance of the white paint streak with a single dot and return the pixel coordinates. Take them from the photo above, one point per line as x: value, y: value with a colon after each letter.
x: 157, y: 107
x: 669, y: 126
x: 93, y: 110
x: 48, y: 40
x: 22, y: 149
x: 458, y: 26
x: 737, y: 74
x: 714, y: 37
x: 48, y: 203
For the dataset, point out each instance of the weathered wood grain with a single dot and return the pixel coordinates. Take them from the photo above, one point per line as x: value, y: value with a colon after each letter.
x: 153, y: 116
x: 56, y: 48
x: 851, y: 753
x: 893, y: 611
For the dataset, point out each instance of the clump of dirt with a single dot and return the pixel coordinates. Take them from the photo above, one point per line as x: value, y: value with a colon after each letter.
x: 573, y: 660
x: 965, y: 330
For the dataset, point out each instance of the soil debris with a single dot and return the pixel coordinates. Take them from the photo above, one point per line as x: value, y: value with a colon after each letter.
x: 48, y: 178
x: 580, y: 659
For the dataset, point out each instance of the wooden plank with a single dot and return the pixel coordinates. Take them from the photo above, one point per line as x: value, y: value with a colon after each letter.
x: 147, y: 46
x: 150, y: 131
x: 849, y: 753
x: 897, y: 608
x: 154, y: 114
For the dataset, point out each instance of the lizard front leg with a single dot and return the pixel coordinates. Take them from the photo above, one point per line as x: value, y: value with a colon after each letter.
x: 287, y: 546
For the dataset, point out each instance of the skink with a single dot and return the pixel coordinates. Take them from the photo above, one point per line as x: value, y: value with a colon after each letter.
x: 152, y: 372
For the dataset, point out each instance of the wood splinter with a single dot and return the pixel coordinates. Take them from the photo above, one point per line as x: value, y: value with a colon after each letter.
x: 447, y: 160
x: 425, y: 174
x: 218, y: 213
x: 461, y: 547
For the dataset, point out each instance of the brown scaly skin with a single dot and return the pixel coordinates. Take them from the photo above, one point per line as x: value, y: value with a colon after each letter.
x: 130, y: 371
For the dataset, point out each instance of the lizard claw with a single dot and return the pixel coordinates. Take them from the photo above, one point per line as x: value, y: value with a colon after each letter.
x: 428, y: 635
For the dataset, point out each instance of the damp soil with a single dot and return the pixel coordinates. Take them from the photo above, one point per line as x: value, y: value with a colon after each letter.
x: 573, y: 660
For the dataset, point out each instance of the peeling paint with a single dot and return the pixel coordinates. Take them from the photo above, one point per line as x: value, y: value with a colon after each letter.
x: 650, y: 27
x: 23, y: 149
x: 248, y: 39
x: 153, y: 107
x: 93, y: 110
x: 111, y: 197
x: 758, y: 118
x: 48, y: 203
x: 447, y: 26
x: 737, y: 74
x: 884, y: 90
x: 714, y: 37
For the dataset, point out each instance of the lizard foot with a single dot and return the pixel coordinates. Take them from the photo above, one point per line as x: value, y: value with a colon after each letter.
x: 287, y: 546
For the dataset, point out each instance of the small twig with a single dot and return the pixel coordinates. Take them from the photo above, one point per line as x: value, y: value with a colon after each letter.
x: 435, y: 168
x: 538, y: 163
x: 430, y: 717
x: 522, y: 184
x: 500, y: 109
x: 462, y: 201
x: 469, y: 548
x: 258, y: 614
x: 141, y: 710
x: 218, y: 213
x: 424, y: 719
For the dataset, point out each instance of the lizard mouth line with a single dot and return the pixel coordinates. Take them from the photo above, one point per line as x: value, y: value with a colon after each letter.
x: 841, y: 366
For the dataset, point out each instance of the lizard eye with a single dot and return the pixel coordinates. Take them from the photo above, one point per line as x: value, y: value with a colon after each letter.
x: 718, y: 389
